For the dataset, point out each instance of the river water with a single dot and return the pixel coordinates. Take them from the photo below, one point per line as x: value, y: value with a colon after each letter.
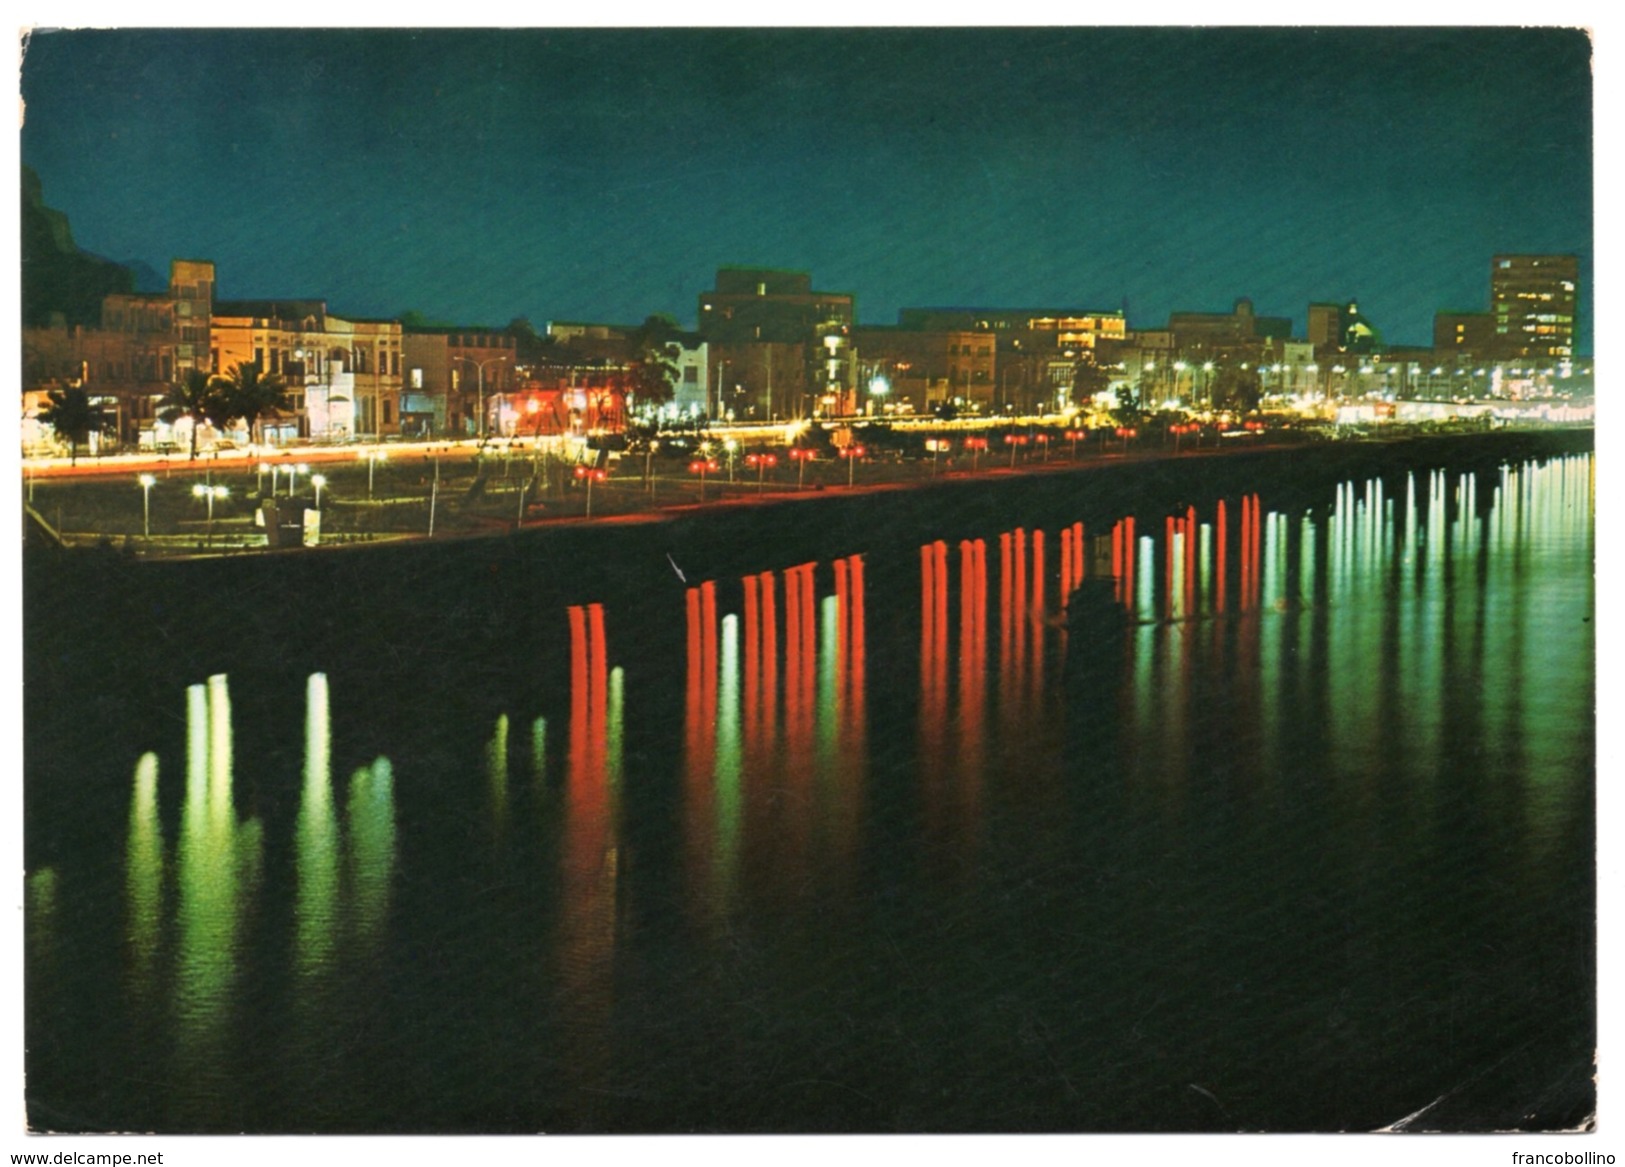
x: 880, y: 842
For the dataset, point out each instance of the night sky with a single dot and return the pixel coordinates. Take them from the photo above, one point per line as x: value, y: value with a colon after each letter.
x: 604, y: 175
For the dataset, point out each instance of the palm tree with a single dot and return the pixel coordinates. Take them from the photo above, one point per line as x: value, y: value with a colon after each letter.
x: 252, y: 395
x: 197, y: 396
x: 72, y: 416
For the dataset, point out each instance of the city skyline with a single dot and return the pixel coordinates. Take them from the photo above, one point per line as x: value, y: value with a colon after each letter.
x: 599, y: 174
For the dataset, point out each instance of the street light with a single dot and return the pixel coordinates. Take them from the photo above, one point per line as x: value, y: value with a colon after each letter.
x: 592, y: 475
x: 730, y: 445
x: 1073, y: 436
x: 372, y: 458
x: 802, y: 456
x: 146, y: 481
x: 201, y: 490
x: 852, y: 454
x: 293, y: 476
x: 702, y: 466
x: 761, y: 462
x: 318, y: 481
x: 479, y: 376
x: 975, y: 446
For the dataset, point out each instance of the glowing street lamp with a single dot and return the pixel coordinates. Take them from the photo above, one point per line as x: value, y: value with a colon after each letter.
x: 1014, y: 440
x: 372, y: 458
x: 318, y: 481
x: 702, y: 467
x: 1043, y: 440
x: 146, y: 481
x: 975, y: 446
x: 730, y: 445
x: 204, y: 491
x: 479, y: 368
x: 852, y: 454
x: 802, y: 456
x: 1074, y: 436
x: 293, y: 476
x: 591, y: 474
x: 761, y: 462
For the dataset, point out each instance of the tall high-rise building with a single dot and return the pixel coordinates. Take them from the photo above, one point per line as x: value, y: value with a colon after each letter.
x: 1534, y: 300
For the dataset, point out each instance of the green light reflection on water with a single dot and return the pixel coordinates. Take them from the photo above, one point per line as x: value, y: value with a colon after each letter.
x: 729, y: 797
x: 496, y: 769
x: 144, y: 877
x: 316, y: 841
x: 370, y: 816
x: 219, y: 868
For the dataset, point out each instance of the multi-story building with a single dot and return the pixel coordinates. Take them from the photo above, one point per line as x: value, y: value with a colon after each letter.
x: 799, y: 338
x: 1535, y: 300
x: 343, y: 375
x: 924, y: 369
x: 1464, y: 336
x: 452, y: 375
x: 144, y: 343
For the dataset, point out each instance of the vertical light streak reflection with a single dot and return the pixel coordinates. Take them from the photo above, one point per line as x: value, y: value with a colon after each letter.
x: 218, y: 866
x: 972, y: 685
x: 852, y: 752
x: 370, y: 815
x: 1145, y: 602
x: 144, y: 878
x: 1221, y: 543
x: 496, y: 772
x: 1190, y: 563
x: 933, y: 705
x: 316, y: 842
x: 770, y: 657
x: 829, y: 672
x: 729, y: 796
x: 699, y: 755
x: 590, y: 854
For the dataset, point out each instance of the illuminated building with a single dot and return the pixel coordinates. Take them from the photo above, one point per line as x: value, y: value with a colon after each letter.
x: 1534, y: 299
x: 343, y: 375
x: 787, y: 346
x: 145, y: 342
x: 448, y: 372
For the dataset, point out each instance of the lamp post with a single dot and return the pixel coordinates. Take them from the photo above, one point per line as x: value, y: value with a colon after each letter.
x: 761, y: 462
x: 802, y: 456
x: 702, y: 466
x: 852, y: 454
x: 730, y: 445
x: 146, y: 481
x: 372, y: 458
x: 592, y: 475
x: 479, y: 377
x: 1073, y: 436
x: 975, y: 446
x: 318, y: 481
x: 293, y: 476
x: 210, y: 493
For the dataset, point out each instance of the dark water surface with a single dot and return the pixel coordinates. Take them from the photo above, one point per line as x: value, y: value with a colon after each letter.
x: 863, y: 843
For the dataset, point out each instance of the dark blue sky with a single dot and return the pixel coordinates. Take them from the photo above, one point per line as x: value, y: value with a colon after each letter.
x: 603, y: 174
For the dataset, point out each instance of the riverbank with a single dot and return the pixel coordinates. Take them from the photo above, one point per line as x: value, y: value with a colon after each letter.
x: 212, y: 508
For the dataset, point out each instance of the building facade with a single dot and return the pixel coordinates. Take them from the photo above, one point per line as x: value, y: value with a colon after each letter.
x: 1535, y: 301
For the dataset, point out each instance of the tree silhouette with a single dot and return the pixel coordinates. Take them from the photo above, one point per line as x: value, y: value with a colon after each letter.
x: 251, y: 395
x: 1088, y: 379
x: 197, y: 396
x: 652, y: 372
x: 72, y: 416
